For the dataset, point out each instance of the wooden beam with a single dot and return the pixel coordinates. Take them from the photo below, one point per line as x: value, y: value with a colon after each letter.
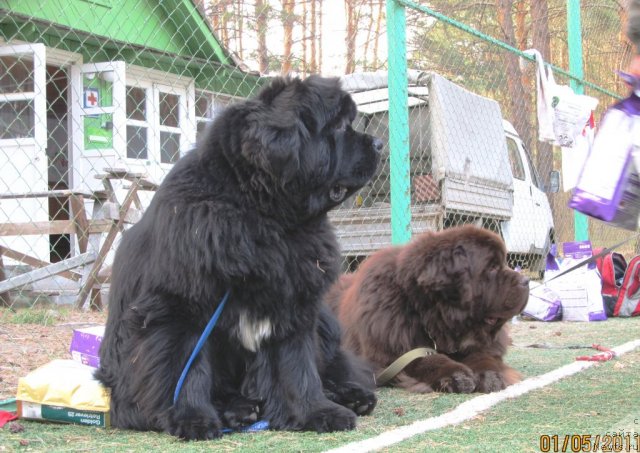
x: 92, y: 278
x: 52, y: 194
x: 45, y: 272
x: 35, y: 262
x: 81, y: 223
x: 51, y: 227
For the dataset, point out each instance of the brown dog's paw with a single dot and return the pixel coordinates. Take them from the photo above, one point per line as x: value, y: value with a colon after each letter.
x: 331, y: 418
x: 461, y: 381
x: 490, y: 381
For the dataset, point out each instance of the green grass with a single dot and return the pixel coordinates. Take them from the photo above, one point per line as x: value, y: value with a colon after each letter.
x: 40, y: 316
x: 600, y: 399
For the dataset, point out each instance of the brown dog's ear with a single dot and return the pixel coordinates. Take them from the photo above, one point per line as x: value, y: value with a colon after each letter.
x: 275, y: 134
x: 446, y: 269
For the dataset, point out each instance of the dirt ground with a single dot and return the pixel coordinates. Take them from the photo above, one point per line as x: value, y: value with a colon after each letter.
x: 26, y: 346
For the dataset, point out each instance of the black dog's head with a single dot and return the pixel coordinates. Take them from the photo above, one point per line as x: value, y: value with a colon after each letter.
x: 298, y: 141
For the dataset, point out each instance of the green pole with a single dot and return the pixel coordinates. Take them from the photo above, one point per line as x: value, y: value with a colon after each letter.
x: 398, y: 125
x: 574, y: 40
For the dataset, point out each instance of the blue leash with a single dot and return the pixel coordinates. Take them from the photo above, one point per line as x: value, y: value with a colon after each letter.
x: 205, y: 334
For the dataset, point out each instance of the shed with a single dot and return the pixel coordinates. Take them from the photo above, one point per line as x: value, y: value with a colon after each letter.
x: 87, y: 85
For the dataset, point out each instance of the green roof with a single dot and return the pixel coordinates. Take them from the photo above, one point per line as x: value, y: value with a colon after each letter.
x: 170, y: 35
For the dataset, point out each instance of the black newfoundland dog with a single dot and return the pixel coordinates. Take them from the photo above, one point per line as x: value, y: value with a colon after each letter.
x: 450, y: 291
x: 245, y: 212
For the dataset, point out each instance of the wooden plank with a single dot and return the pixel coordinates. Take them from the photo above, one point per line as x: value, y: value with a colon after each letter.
x: 51, y: 227
x: 92, y: 278
x: 51, y: 194
x: 34, y: 262
x: 79, y: 216
x: 111, y: 211
x: 45, y: 272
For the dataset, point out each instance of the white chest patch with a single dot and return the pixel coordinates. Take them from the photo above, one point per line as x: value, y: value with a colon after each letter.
x: 252, y: 332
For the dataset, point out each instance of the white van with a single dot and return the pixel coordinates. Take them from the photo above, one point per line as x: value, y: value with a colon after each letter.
x: 467, y: 165
x: 530, y: 231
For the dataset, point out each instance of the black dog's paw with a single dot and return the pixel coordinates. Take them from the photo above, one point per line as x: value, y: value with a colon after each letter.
x: 352, y: 396
x: 241, y: 412
x: 490, y: 381
x: 190, y: 423
x: 331, y: 417
x: 460, y: 381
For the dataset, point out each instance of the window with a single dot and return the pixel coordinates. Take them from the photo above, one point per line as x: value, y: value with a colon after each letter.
x: 207, y: 107
x: 97, y: 89
x: 137, y: 124
x: 17, y: 116
x: 517, y: 168
x: 170, y: 132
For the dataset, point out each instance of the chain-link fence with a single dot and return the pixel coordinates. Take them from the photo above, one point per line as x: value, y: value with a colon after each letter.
x: 99, y: 98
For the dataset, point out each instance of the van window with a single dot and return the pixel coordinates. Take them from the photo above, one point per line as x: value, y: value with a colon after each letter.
x: 517, y: 168
x: 532, y: 169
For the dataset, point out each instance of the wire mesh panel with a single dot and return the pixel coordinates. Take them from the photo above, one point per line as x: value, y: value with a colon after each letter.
x: 100, y: 98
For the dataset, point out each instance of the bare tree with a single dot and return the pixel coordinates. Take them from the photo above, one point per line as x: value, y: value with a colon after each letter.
x: 288, y: 22
x: 261, y: 21
x: 518, y: 102
x: 313, y: 63
x: 350, y: 37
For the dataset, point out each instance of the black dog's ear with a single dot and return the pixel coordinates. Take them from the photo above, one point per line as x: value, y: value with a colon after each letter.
x: 275, y: 133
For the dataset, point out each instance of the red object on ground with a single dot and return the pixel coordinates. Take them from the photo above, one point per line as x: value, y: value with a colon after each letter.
x: 6, y: 416
x: 606, y: 354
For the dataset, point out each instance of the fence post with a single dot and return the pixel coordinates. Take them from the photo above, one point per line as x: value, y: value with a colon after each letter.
x: 399, y: 162
x: 574, y: 43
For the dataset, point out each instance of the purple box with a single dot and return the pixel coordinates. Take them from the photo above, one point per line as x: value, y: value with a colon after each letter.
x: 85, y: 345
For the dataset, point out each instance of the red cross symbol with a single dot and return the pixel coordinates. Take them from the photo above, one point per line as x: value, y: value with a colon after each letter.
x: 91, y: 97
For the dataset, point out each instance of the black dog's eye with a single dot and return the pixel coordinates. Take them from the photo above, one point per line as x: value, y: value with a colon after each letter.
x: 337, y: 193
x: 341, y: 125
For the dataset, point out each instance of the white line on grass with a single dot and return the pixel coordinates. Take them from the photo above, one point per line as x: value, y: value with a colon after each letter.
x: 473, y: 407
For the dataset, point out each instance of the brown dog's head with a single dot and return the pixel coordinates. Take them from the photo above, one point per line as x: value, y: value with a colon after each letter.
x: 459, y: 283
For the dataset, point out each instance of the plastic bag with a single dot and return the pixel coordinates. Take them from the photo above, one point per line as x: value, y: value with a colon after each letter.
x: 562, y: 113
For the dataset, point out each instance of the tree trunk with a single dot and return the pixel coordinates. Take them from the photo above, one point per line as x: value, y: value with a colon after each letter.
x: 350, y: 38
x: 305, y: 37
x: 288, y: 20
x: 518, y: 100
x: 380, y: 18
x: 320, y: 12
x: 239, y: 19
x: 541, y: 40
x: 313, y: 64
x: 261, y: 12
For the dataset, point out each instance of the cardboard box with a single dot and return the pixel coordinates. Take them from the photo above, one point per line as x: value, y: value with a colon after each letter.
x: 85, y: 345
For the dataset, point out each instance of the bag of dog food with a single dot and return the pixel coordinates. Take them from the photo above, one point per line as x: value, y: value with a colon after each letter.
x: 544, y: 304
x: 63, y: 391
x: 609, y: 184
x: 580, y: 290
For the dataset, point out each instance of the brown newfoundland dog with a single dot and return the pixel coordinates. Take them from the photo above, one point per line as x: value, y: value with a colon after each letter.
x: 450, y: 291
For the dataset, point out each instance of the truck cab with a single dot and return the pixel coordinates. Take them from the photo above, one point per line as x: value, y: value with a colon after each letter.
x: 529, y: 233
